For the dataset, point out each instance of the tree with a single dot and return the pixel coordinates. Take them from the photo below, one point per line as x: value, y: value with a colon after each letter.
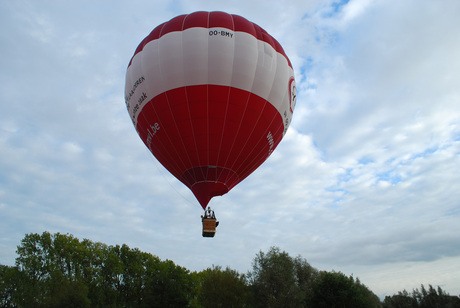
x: 167, y: 284
x: 56, y: 270
x: 305, y: 277
x: 431, y: 298
x: 334, y: 289
x: 34, y: 262
x: 132, y: 267
x: 60, y: 271
x: 422, y: 298
x: 66, y: 293
x: 222, y: 288
x: 9, y: 285
x: 401, y: 300
x: 279, y: 280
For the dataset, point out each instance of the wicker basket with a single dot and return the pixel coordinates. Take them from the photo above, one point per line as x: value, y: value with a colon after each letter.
x: 209, y: 227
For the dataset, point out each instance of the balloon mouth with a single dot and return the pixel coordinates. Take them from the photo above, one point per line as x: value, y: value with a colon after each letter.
x: 209, y: 181
x: 204, y: 191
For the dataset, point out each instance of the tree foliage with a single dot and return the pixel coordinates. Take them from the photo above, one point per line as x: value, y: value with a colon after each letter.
x: 422, y: 298
x: 333, y: 289
x: 57, y: 270
x: 278, y: 280
x: 61, y: 271
x: 222, y: 288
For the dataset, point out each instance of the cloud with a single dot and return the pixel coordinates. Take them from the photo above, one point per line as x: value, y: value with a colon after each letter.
x: 364, y: 181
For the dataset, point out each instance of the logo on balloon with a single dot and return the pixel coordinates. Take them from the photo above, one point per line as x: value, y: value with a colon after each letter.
x: 292, y: 94
x: 271, y: 143
x: 151, y: 132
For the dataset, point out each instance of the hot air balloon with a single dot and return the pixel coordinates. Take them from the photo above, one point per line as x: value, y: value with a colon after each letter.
x: 211, y: 95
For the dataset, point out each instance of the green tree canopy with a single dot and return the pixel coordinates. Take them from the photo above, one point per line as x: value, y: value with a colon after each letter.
x: 278, y: 280
x: 222, y: 288
x: 422, y: 298
x: 59, y: 270
x: 334, y: 289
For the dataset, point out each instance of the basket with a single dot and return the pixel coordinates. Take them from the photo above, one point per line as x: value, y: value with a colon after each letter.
x: 209, y: 227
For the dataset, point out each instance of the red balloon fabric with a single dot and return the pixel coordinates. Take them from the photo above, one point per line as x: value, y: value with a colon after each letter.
x: 211, y: 95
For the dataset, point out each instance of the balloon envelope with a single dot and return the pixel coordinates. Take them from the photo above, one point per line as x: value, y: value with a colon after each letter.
x: 211, y: 95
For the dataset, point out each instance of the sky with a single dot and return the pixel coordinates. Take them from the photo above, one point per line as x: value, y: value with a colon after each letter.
x: 366, y: 180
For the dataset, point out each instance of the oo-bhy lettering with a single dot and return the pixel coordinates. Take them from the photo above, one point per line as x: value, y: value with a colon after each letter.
x: 221, y: 33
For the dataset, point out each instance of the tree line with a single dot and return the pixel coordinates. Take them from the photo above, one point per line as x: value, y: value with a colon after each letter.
x: 59, y: 270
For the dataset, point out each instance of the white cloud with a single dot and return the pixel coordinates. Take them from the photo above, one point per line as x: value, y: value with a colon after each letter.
x: 354, y: 9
